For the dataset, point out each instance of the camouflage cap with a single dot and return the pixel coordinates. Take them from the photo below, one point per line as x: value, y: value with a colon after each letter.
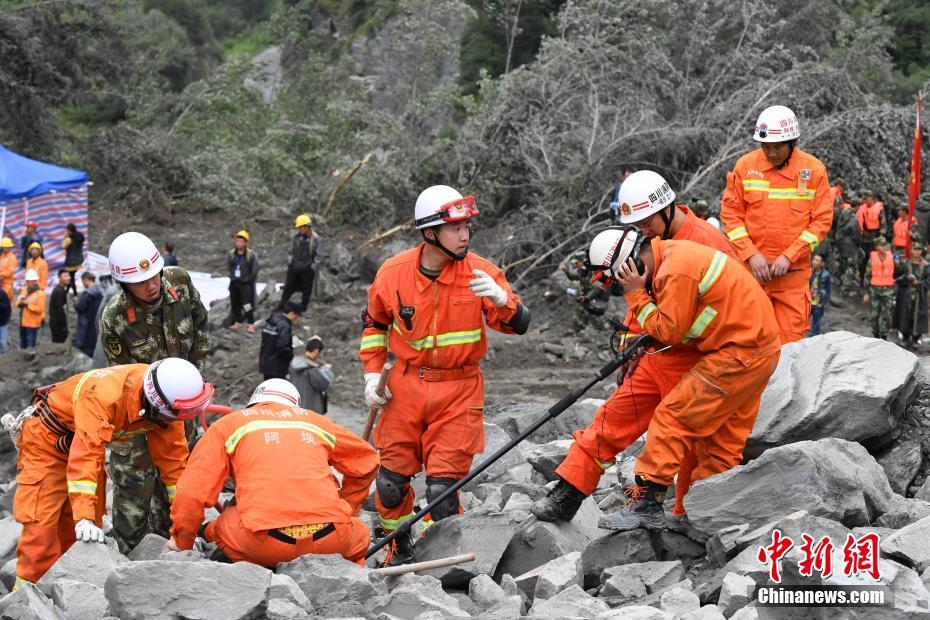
x: 880, y: 240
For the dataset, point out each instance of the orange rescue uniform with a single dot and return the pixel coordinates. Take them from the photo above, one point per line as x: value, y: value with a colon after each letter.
x: 707, y: 299
x: 436, y: 331
x: 288, y: 503
x: 902, y: 230
x: 33, y: 313
x: 41, y: 267
x: 624, y: 417
x: 8, y: 264
x: 780, y: 212
x: 882, y: 268
x: 59, y: 484
x: 870, y: 217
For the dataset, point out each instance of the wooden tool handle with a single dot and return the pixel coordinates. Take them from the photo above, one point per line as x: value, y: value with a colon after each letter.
x: 428, y: 565
x: 382, y: 384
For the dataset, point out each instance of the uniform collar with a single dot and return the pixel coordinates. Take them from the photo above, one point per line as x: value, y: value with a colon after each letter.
x: 447, y: 277
x: 789, y: 172
x: 687, y: 227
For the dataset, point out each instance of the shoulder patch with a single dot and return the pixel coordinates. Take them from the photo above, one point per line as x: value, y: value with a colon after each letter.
x: 114, y: 346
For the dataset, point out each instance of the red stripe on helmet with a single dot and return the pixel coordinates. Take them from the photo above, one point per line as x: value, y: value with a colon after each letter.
x: 281, y: 394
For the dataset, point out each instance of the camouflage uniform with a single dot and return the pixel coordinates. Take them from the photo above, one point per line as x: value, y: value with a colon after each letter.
x: 175, y: 327
x: 592, y: 301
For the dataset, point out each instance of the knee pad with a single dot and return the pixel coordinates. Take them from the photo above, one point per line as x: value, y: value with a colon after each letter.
x: 392, y: 487
x: 449, y: 506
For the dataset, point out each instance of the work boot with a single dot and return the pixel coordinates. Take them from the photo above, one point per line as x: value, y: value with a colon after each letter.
x: 561, y: 504
x: 399, y: 551
x: 682, y: 525
x: 236, y: 326
x: 643, y: 510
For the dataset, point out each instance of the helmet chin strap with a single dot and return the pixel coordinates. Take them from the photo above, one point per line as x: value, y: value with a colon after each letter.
x: 447, y: 251
x: 791, y: 145
x: 664, y: 214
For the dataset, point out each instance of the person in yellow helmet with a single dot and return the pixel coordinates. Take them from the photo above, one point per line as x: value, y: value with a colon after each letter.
x: 36, y: 262
x: 8, y: 265
x: 243, y: 272
x: 303, y: 262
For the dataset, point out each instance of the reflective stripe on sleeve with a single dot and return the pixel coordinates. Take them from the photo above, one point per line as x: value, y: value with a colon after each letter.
x: 713, y: 272
x: 372, y: 341
x: 648, y: 309
x: 84, y: 487
x: 737, y: 233
x: 810, y: 239
x: 700, y: 324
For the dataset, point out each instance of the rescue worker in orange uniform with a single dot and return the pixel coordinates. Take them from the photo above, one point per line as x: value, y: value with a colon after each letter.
x: 880, y: 279
x: 871, y: 217
x: 8, y: 264
x: 776, y: 210
x: 902, y: 232
x: 288, y: 503
x: 60, y: 494
x: 31, y: 302
x: 646, y: 202
x: 429, y: 305
x: 699, y: 296
x: 38, y: 263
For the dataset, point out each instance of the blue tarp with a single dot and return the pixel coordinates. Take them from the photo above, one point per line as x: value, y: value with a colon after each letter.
x: 21, y: 177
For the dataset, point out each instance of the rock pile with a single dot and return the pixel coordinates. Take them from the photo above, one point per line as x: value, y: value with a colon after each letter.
x: 836, y: 456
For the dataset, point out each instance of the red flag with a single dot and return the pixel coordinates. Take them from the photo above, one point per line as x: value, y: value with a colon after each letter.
x: 913, y: 186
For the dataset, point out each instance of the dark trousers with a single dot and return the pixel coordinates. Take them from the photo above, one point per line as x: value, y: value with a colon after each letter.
x: 59, y: 330
x: 242, y: 301
x: 298, y: 281
x: 816, y: 317
x: 28, y: 337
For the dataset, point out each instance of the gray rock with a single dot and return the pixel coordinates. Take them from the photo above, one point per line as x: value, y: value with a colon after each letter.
x: 735, y: 593
x: 10, y: 531
x: 835, y: 385
x: 8, y: 574
x: 88, y: 562
x: 615, y: 549
x: 281, y: 609
x: 150, y: 548
x: 678, y: 601
x: 673, y: 546
x: 509, y: 608
x: 901, y: 463
x: 910, y: 545
x: 537, y: 542
x: 516, y: 418
x: 284, y: 588
x: 552, y: 577
x: 573, y: 602
x: 547, y: 457
x: 707, y: 612
x: 466, y: 604
x: 164, y: 589
x: 636, y: 612
x: 518, y: 501
x: 654, y: 576
x: 28, y: 603
x: 487, y: 536
x: 417, y: 594
x: 484, y: 592
x: 925, y: 577
x: 78, y: 600
x: 494, y: 438
x: 331, y: 580
x: 832, y: 478
x: 723, y: 546
x: 903, y: 511
x: 746, y: 613
x: 923, y: 493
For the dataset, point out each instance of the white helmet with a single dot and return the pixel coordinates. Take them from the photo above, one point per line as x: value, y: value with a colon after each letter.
x: 642, y: 194
x: 31, y: 275
x: 608, y: 250
x: 777, y: 124
x: 275, y: 391
x: 440, y: 204
x: 174, y: 387
x: 134, y: 258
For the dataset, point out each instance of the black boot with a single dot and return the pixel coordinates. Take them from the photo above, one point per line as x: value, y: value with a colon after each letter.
x: 681, y: 524
x: 561, y: 504
x: 399, y: 551
x: 643, y: 510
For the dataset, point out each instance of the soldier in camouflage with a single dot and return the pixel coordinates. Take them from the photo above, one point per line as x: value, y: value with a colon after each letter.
x: 592, y: 301
x: 879, y: 279
x: 157, y: 314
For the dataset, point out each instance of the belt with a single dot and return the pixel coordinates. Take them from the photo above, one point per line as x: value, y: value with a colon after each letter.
x: 426, y: 373
x: 292, y: 533
x: 53, y: 424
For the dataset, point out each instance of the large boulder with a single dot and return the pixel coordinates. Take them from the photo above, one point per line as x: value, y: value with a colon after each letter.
x: 494, y: 439
x: 79, y: 600
x: 546, y: 458
x: 333, y: 583
x: 614, y: 549
x: 552, y: 577
x: 836, y: 385
x: 10, y: 531
x: 487, y: 536
x: 415, y: 595
x: 85, y: 561
x: 572, y: 602
x: 831, y: 478
x: 27, y: 603
x: 901, y: 464
x: 205, y: 590
x: 910, y: 545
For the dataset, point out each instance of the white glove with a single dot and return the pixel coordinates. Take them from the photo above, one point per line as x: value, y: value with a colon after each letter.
x: 371, y: 390
x: 86, y: 530
x: 484, y: 286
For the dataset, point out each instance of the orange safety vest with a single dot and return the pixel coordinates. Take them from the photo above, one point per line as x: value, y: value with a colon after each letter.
x: 882, y: 269
x: 873, y: 216
x: 901, y: 228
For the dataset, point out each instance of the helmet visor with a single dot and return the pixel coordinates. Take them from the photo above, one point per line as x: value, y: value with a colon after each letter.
x: 455, y: 211
x: 190, y: 408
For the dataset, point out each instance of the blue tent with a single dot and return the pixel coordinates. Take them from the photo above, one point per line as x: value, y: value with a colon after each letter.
x: 21, y: 177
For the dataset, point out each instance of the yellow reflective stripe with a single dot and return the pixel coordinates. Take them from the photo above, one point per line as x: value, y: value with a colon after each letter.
x: 700, y: 323
x: 393, y: 524
x: 737, y: 233
x: 648, y: 309
x: 80, y: 384
x: 20, y: 582
x: 713, y: 272
x: 755, y: 184
x: 85, y: 487
x: 425, y: 524
x: 791, y: 193
x: 123, y: 435
x: 172, y: 491
x: 270, y: 425
x: 372, y: 341
x: 604, y: 465
x: 810, y: 239
x: 443, y: 340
